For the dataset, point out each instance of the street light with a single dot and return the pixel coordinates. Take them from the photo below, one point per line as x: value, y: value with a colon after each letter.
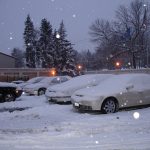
x: 53, y: 72
x: 117, y: 64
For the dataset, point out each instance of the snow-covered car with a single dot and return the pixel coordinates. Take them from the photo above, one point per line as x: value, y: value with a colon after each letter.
x: 63, y: 92
x: 9, y: 92
x: 125, y: 90
x: 40, y: 87
x: 31, y: 81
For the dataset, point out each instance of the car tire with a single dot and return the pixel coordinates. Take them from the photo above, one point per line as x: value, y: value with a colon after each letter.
x: 9, y: 97
x: 110, y: 105
x: 41, y: 92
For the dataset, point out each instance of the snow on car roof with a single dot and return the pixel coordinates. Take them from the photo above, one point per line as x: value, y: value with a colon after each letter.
x: 114, y: 84
x: 81, y: 81
x: 6, y: 84
x: 32, y: 80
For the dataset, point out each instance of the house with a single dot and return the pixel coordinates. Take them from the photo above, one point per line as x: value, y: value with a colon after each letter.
x: 6, y: 61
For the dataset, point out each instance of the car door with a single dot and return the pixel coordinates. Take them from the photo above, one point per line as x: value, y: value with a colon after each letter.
x: 132, y: 96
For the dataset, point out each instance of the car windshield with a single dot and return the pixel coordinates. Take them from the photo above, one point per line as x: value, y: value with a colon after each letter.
x: 35, y: 80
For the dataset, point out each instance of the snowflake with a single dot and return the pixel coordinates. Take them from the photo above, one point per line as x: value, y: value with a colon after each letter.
x: 2, y: 23
x: 91, y: 136
x: 74, y: 15
x: 29, y: 44
x: 61, y: 9
x: 97, y: 142
x: 57, y: 36
x: 11, y: 38
x: 52, y: 0
x: 136, y: 115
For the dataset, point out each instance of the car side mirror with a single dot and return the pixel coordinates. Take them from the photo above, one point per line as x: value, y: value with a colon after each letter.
x: 129, y: 87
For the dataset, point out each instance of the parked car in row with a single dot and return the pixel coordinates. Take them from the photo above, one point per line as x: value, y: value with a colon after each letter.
x: 31, y: 81
x: 40, y: 87
x: 63, y: 92
x: 9, y: 92
x: 119, y: 91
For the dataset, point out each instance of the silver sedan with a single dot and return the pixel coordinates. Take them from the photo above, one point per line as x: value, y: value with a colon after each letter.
x: 120, y: 91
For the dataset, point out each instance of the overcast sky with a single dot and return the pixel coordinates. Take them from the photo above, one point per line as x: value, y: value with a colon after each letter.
x: 77, y: 15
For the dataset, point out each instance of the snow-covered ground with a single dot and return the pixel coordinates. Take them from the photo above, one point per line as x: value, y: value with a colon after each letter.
x: 43, y: 126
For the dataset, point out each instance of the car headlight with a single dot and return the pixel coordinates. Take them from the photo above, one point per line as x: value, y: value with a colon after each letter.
x: 76, y: 104
x: 35, y: 92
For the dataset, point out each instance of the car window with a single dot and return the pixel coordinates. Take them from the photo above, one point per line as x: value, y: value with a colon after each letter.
x: 35, y: 80
x: 63, y: 79
x: 56, y: 80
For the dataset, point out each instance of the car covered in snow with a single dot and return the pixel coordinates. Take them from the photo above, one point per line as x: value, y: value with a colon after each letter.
x: 124, y: 90
x: 63, y: 92
x: 9, y: 92
x: 40, y: 87
x: 31, y: 81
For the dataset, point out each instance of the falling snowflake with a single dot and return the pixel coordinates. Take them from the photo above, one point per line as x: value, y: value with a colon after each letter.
x: 136, y: 115
x: 2, y: 23
x: 61, y: 9
x: 74, y: 15
x: 91, y: 136
x: 52, y: 0
x: 57, y: 36
x: 97, y: 142
x: 11, y: 38
x: 29, y: 44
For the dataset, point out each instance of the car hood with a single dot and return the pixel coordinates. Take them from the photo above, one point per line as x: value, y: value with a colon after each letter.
x: 99, y: 91
x: 73, y: 85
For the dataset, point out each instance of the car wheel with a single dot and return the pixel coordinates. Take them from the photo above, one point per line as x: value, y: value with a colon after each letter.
x: 110, y: 105
x: 41, y: 92
x: 9, y: 97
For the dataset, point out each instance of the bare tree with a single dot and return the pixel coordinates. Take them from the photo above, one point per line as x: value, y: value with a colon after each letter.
x: 128, y: 34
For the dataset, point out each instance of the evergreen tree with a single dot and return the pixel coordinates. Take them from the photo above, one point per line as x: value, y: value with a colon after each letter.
x: 29, y: 37
x: 46, y: 44
x: 56, y: 48
x: 65, y: 52
x: 38, y: 50
x: 19, y: 55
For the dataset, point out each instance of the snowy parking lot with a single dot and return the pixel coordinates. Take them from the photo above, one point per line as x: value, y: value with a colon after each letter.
x: 33, y: 123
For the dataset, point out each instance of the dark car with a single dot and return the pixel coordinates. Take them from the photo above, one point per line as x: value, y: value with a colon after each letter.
x: 9, y: 92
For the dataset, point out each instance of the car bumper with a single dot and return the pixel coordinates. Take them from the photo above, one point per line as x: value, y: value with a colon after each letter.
x: 59, y: 99
x: 82, y: 107
x: 25, y: 92
x: 87, y: 105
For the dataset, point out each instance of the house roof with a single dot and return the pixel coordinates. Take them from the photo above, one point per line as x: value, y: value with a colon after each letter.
x: 7, y: 55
